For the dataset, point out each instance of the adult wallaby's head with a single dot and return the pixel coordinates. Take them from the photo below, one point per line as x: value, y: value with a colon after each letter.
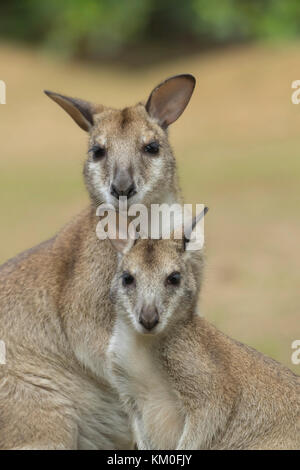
x: 129, y: 152
x: 157, y: 282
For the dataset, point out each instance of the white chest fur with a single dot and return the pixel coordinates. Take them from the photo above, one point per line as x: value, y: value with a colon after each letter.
x: 154, y: 410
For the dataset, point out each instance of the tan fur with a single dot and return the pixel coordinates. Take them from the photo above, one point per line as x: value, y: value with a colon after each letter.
x: 56, y: 317
x: 124, y: 141
x: 185, y: 384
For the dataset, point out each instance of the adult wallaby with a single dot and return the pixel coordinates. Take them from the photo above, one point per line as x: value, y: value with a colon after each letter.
x: 185, y: 384
x: 55, y: 313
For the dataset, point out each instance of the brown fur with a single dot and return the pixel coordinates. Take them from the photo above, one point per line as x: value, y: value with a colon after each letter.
x: 185, y: 384
x: 55, y: 313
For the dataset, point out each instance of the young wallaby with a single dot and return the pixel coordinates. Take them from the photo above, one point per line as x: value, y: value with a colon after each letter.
x: 184, y: 384
x: 55, y: 313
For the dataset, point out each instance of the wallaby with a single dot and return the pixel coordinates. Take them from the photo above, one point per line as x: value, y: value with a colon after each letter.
x: 185, y: 385
x: 56, y: 316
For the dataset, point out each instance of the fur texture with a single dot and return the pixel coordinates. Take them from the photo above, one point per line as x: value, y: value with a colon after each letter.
x: 185, y: 384
x: 56, y: 316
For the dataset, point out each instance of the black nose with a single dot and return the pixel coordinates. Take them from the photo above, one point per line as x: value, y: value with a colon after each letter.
x: 128, y: 192
x: 149, y: 318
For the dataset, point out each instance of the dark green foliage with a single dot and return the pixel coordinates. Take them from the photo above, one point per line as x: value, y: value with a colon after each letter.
x: 106, y: 28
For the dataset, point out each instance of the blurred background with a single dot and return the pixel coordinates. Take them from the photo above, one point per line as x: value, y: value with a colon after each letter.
x: 237, y: 144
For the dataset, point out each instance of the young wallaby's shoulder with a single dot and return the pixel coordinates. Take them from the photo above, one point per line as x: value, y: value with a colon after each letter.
x: 197, y: 353
x: 196, y: 357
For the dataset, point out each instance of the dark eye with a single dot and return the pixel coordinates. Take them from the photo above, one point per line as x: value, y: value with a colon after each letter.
x: 174, y: 279
x: 127, y: 279
x: 152, y: 148
x: 97, y: 152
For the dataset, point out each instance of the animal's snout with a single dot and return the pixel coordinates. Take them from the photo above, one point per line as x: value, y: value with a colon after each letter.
x: 116, y: 191
x: 123, y: 185
x: 149, y: 317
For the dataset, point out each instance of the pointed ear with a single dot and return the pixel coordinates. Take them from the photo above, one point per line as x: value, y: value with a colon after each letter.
x: 191, y: 241
x: 124, y: 237
x: 169, y: 99
x: 122, y: 246
x: 79, y: 110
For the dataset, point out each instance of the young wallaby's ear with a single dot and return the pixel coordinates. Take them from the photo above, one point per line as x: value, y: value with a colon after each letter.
x: 124, y: 237
x: 81, y: 111
x: 170, y: 98
x: 190, y: 240
x: 122, y: 245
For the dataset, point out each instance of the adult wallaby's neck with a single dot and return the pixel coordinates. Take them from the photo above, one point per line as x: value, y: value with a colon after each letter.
x: 173, y: 195
x: 80, y: 234
x: 77, y: 243
x: 84, y: 268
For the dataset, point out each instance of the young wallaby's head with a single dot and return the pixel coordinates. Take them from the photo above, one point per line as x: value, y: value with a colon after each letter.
x: 157, y: 282
x: 129, y: 153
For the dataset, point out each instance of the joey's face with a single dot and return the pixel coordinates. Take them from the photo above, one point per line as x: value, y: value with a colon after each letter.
x: 129, y: 155
x: 156, y: 284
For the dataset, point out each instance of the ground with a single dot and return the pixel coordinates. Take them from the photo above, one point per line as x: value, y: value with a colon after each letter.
x: 237, y: 147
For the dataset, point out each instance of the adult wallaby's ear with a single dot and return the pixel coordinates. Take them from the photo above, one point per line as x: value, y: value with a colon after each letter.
x: 81, y: 111
x: 169, y: 99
